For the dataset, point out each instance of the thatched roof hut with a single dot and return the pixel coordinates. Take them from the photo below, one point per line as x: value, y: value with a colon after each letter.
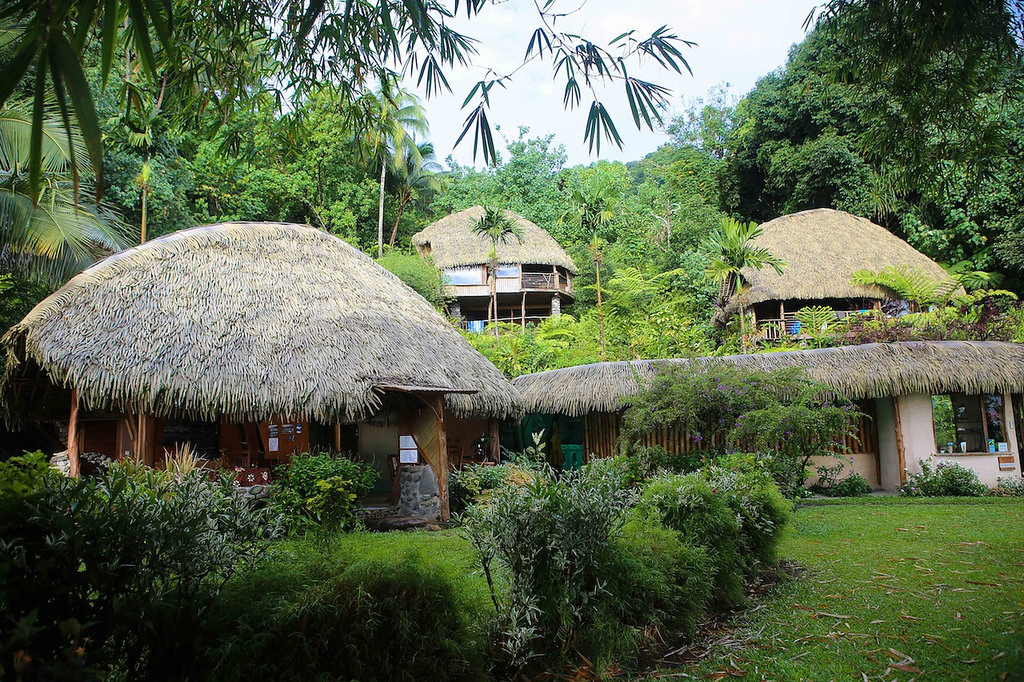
x: 250, y: 321
x: 451, y: 243
x: 822, y: 249
x: 867, y: 371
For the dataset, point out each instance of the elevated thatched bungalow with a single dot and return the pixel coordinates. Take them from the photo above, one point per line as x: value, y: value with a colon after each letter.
x: 251, y: 341
x: 533, y: 279
x: 957, y: 400
x: 822, y: 249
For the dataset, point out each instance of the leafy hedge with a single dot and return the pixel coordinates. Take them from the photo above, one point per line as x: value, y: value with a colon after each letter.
x: 320, y: 489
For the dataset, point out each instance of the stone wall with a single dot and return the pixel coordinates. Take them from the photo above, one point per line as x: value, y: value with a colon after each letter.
x: 420, y: 494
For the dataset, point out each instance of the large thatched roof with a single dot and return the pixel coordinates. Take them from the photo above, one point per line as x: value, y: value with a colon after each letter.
x: 451, y: 243
x: 822, y: 249
x: 251, y: 320
x: 872, y: 370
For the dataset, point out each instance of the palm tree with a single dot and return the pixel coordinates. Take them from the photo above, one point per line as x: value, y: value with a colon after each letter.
x: 48, y: 235
x: 592, y: 205
x: 499, y: 228
x: 733, y: 249
x: 388, y: 120
x: 418, y: 182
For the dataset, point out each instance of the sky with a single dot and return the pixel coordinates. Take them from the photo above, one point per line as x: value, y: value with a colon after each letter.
x: 738, y: 41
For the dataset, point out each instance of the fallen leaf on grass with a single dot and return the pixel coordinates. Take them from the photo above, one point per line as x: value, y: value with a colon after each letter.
x: 876, y: 622
x: 999, y: 655
x: 832, y: 615
x: 864, y: 676
x: 906, y: 617
x: 905, y: 668
x: 975, y: 582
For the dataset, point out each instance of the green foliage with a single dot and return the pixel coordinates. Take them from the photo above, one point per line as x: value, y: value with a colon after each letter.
x: 320, y: 489
x: 1009, y: 486
x: 550, y: 543
x: 395, y: 606
x: 21, y: 476
x: 944, y: 479
x: 113, y: 574
x: 830, y: 485
x: 722, y: 407
x: 476, y: 482
x: 418, y: 273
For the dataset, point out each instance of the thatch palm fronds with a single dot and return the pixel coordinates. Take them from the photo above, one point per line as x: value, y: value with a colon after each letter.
x: 250, y: 320
x: 875, y: 370
x: 823, y: 248
x: 452, y: 243
x: 49, y: 236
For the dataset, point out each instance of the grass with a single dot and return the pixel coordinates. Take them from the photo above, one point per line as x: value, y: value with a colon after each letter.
x: 893, y: 589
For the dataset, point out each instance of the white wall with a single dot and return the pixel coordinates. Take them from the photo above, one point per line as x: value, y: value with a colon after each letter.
x: 919, y: 441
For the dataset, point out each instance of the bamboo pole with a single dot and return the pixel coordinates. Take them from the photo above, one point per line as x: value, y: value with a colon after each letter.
x: 74, y: 441
x: 901, y: 454
x: 442, y: 455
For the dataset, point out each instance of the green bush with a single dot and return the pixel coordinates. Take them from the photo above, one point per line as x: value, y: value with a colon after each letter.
x: 112, y: 575
x: 418, y: 273
x: 551, y: 543
x: 471, y: 483
x: 830, y: 485
x: 1011, y: 486
x: 369, y: 606
x: 946, y: 479
x: 320, y: 489
x: 691, y: 505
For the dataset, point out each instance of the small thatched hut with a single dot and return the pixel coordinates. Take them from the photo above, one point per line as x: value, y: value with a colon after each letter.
x: 922, y: 398
x: 822, y: 249
x: 533, y: 278
x: 276, y: 328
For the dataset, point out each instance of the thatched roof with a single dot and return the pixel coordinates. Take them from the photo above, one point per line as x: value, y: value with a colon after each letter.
x: 250, y: 320
x: 822, y: 249
x: 452, y: 243
x: 872, y: 370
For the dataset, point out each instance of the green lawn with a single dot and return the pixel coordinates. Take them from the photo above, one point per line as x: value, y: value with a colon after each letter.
x: 894, y: 589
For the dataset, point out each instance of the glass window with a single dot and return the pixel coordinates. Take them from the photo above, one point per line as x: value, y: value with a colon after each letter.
x: 508, y: 271
x: 468, y: 275
x: 968, y: 423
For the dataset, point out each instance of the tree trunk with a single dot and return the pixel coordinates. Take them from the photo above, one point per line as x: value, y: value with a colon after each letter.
x: 394, y: 230
x: 600, y: 310
x: 142, y: 231
x: 380, y: 212
x: 743, y: 329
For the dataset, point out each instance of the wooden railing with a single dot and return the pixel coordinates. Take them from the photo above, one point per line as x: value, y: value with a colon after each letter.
x: 775, y: 329
x: 546, y: 280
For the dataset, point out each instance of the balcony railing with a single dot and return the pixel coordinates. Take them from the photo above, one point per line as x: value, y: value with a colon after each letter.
x: 529, y: 281
x: 775, y: 329
x: 546, y: 280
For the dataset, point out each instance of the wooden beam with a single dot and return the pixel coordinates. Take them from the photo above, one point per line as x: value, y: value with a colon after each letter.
x: 145, y: 441
x: 495, y: 445
x: 901, y: 453
x: 337, y: 438
x: 74, y: 439
x: 442, y: 468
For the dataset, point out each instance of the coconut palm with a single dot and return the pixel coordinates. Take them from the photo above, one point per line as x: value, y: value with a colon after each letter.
x: 388, y: 121
x: 732, y: 247
x: 499, y: 228
x: 418, y: 181
x: 47, y: 235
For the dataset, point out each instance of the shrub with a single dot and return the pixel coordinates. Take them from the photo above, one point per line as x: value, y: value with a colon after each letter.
x: 690, y: 505
x: 723, y: 408
x: 473, y: 483
x: 945, y: 479
x: 321, y: 489
x: 113, y: 574
x: 1011, y: 486
x: 830, y: 485
x: 551, y: 543
x: 368, y: 606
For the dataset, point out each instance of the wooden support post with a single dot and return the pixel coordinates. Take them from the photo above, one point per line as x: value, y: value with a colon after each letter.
x: 524, y: 310
x: 74, y: 441
x: 145, y: 441
x: 337, y: 438
x: 901, y: 453
x: 442, y: 455
x: 495, y: 447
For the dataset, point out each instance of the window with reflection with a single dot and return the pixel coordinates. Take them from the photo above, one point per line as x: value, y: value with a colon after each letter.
x: 469, y: 275
x: 968, y: 423
x: 508, y: 271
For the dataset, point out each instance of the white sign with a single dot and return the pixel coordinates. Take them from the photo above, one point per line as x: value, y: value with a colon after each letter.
x: 272, y: 444
x: 406, y: 442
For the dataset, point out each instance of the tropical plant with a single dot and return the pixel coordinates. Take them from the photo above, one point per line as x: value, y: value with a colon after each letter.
x: 913, y: 285
x: 499, y: 229
x: 388, y: 120
x: 47, y: 234
x: 732, y: 248
x: 815, y: 321
x: 418, y: 181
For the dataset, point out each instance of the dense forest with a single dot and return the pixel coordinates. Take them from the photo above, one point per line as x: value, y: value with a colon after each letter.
x: 822, y: 131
